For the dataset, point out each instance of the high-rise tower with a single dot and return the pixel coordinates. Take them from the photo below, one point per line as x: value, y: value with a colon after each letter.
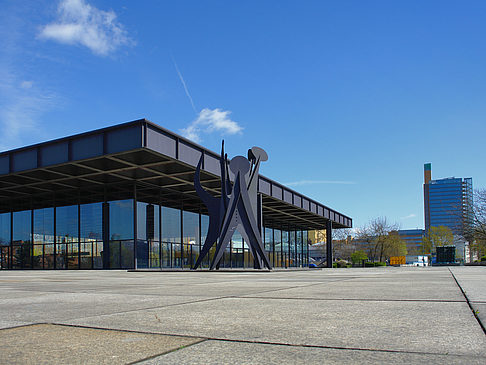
x: 447, y: 202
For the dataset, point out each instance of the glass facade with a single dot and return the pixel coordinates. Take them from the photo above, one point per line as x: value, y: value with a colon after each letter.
x: 448, y: 202
x: 124, y: 234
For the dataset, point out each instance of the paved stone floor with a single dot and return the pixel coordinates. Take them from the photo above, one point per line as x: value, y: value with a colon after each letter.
x: 393, y: 315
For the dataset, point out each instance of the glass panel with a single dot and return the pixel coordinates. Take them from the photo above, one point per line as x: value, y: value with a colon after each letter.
x: 237, y: 250
x: 292, y: 258
x: 171, y: 225
x: 20, y: 256
x: 190, y: 237
x: 67, y: 233
x: 191, y: 228
x: 126, y: 249
x: 97, y: 255
x: 5, y: 229
x: 166, y: 254
x: 22, y: 227
x: 154, y: 257
x: 73, y: 255
x: 171, y: 233
x: 121, y: 230
x: 176, y: 254
x: 285, y: 248
x: 86, y: 255
x: 44, y: 225
x: 115, y: 259
x: 299, y: 248
x: 4, y: 257
x: 67, y: 224
x: 22, y: 230
x: 91, y: 236
x: 121, y: 220
x: 305, y: 240
x: 277, y: 236
x: 61, y: 256
x: 269, y: 244
x: 148, y: 233
x: 204, y: 232
x: 91, y: 222
x: 49, y: 256
x: 38, y: 257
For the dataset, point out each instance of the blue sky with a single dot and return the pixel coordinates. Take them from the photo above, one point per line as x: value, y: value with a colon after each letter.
x: 349, y: 98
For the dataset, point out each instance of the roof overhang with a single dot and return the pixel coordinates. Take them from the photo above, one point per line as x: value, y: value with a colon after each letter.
x: 111, y: 162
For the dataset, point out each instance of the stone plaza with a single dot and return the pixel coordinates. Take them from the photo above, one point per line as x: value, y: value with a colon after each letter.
x: 375, y: 315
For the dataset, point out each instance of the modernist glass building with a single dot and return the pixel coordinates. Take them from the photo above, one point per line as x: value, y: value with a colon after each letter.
x: 123, y: 198
x: 447, y: 202
x: 413, y: 239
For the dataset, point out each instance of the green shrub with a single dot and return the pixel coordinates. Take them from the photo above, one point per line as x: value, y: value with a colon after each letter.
x: 341, y: 263
x: 369, y: 264
x: 358, y: 256
x: 380, y: 264
x: 483, y: 258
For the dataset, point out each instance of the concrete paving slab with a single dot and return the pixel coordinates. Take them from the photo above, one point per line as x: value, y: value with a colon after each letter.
x: 392, y: 325
x: 382, y: 288
x: 222, y: 352
x: 480, y: 310
x: 472, y: 280
x: 386, y: 309
x: 62, y: 306
x: 9, y: 324
x: 53, y: 344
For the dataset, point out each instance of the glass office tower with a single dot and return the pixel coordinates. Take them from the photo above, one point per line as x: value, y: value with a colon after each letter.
x: 447, y: 202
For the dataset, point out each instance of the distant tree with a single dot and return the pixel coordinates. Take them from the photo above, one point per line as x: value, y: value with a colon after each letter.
x: 375, y: 237
x: 436, y: 237
x: 342, y: 245
x: 477, y: 228
x: 364, y: 239
x: 395, y: 245
x: 358, y: 256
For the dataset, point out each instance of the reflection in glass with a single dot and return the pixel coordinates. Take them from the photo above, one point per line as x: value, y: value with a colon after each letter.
x: 22, y: 241
x: 67, y: 233
x: 268, y: 238
x: 4, y: 229
x: 171, y: 234
x: 171, y: 225
x: 292, y: 257
x: 204, y: 232
x: 285, y: 248
x: 237, y: 250
x: 305, y: 242
x: 121, y: 220
x: 91, y: 236
x: 190, y: 238
x: 277, y: 238
x: 121, y: 235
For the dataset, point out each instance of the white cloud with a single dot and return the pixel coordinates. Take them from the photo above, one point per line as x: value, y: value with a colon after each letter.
x: 314, y: 182
x: 81, y: 23
x: 22, y: 105
x: 211, y: 120
x: 409, y: 216
x: 26, y: 84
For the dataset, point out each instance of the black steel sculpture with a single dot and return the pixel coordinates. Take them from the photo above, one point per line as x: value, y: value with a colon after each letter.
x: 236, y: 209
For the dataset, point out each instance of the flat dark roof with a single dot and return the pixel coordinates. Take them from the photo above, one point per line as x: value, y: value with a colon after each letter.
x: 83, y: 167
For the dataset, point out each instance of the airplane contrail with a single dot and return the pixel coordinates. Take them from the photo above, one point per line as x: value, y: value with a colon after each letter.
x: 184, y: 84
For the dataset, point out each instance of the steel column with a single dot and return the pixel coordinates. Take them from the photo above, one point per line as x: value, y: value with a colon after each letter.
x: 329, y: 243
